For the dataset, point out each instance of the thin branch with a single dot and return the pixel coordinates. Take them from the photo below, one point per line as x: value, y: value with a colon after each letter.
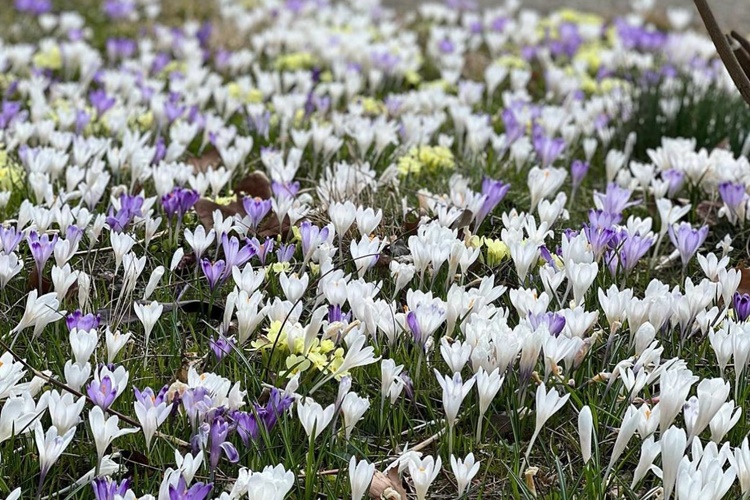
x: 78, y: 394
x: 741, y: 80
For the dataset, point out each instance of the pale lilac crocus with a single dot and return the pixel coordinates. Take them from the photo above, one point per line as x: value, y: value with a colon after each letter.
x: 234, y: 255
x: 578, y: 170
x: 256, y: 209
x: 687, y: 240
x: 9, y: 239
x: 41, y: 249
x: 102, y: 392
x: 214, y: 272
x: 493, y: 191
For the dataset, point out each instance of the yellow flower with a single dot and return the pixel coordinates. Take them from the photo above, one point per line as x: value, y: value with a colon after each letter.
x: 49, y: 57
x: 272, y: 334
x: 412, y: 77
x: 314, y: 268
x: 296, y: 364
x: 433, y: 158
x: 294, y: 61
x: 409, y: 165
x: 590, y: 55
x: 280, y: 267
x: 372, y: 106
x: 512, y: 62
x: 497, y: 251
x: 296, y: 234
x: 11, y: 174
x: 327, y: 346
x: 476, y: 241
x: 146, y: 120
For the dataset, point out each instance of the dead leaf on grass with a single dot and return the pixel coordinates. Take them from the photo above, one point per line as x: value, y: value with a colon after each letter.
x: 255, y: 185
x: 209, y: 159
x: 387, y: 486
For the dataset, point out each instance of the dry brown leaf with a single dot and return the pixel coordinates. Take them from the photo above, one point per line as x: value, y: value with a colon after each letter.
x: 387, y: 486
x: 255, y: 185
x: 209, y: 159
x: 744, y: 286
x: 270, y: 227
x: 206, y: 208
x: 707, y: 211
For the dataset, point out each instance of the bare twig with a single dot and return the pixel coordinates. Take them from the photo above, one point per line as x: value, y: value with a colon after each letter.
x: 78, y: 394
x: 741, y: 80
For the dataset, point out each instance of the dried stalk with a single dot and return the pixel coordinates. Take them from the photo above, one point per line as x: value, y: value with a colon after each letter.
x: 740, y: 78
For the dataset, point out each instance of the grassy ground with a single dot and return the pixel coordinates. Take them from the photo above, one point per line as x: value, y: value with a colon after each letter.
x: 181, y: 339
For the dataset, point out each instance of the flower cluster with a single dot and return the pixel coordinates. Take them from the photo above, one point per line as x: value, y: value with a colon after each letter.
x: 302, y: 248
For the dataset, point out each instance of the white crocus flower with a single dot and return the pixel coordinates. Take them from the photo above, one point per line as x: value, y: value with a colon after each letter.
x: 104, y: 430
x: 464, y: 470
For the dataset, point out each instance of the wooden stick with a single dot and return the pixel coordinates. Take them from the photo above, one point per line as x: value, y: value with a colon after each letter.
x: 741, y: 80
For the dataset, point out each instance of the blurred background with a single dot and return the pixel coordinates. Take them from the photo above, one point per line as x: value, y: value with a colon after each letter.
x: 732, y: 14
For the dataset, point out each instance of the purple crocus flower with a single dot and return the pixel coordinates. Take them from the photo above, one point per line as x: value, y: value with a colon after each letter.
x: 494, y: 192
x: 687, y: 240
x: 446, y: 46
x: 9, y: 111
x: 218, y: 444
x: 102, y: 393
x: 615, y: 200
x: 553, y: 321
x: 548, y: 149
x: 262, y: 249
x: 256, y: 209
x: 214, y: 272
x: 733, y: 195
x: 675, y: 179
x: 599, y: 219
x: 221, y: 346
x: 278, y: 402
x: 513, y: 128
x: 35, y: 7
x: 633, y: 248
x: 82, y: 121
x: 107, y: 489
x: 9, y: 238
x: 118, y: 9
x: 41, y: 248
x: 312, y: 236
x: 335, y: 314
x: 148, y: 398
x: 120, y: 48
x: 101, y: 101
x: 246, y: 424
x: 172, y: 108
x: 578, y: 170
x: 285, y: 189
x: 81, y: 321
x: 198, y: 491
x: 177, y: 202
x: 416, y: 330
x: 408, y: 385
x: 599, y: 239
x: 741, y: 305
x: 196, y: 402
x: 285, y: 252
x: 161, y: 151
x: 233, y: 254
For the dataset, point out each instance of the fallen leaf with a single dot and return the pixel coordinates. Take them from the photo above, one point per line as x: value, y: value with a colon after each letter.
x: 206, y: 208
x: 387, y: 486
x: 707, y: 211
x: 744, y: 286
x: 255, y: 185
x: 210, y: 159
x: 270, y: 227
